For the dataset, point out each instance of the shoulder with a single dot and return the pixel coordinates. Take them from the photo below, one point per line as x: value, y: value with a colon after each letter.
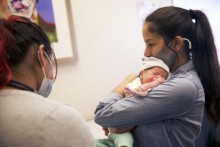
x: 51, y: 123
x: 180, y: 88
x: 66, y: 113
x: 68, y: 125
x: 180, y: 93
x: 188, y: 82
x: 180, y: 83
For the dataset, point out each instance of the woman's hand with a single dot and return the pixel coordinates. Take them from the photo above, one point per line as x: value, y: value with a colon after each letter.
x: 120, y: 88
x: 121, y: 130
x: 106, y: 131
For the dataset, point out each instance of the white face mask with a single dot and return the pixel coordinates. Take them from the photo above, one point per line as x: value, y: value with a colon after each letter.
x: 46, y: 85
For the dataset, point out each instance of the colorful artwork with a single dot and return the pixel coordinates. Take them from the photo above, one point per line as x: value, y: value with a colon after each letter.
x: 40, y: 11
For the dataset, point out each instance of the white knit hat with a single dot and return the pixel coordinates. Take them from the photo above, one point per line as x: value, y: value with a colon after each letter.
x: 149, y: 62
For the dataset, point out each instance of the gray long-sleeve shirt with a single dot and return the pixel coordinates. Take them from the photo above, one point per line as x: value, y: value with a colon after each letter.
x: 169, y: 116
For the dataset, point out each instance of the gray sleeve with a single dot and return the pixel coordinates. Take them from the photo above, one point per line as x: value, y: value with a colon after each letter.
x: 169, y: 100
x: 64, y: 126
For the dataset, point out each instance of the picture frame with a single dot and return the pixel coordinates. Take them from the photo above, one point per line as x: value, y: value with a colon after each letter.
x: 53, y: 16
x: 64, y: 27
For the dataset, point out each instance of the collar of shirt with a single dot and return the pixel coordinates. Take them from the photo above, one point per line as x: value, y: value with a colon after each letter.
x: 184, y: 68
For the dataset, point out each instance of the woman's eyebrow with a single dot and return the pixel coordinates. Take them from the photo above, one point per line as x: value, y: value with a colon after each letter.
x: 147, y: 40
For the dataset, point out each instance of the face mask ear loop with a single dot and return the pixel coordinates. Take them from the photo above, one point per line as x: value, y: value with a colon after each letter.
x: 170, y: 47
x: 41, y: 64
x: 50, y: 64
x: 170, y: 43
x: 173, y: 50
x: 190, y: 47
x: 190, y: 44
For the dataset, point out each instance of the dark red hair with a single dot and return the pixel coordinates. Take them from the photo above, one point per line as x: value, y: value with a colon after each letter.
x: 5, y: 40
x: 17, y: 35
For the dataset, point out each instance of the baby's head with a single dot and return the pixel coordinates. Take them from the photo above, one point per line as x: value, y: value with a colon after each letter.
x: 153, y: 68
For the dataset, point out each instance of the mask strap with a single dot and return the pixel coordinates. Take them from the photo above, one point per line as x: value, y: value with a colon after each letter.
x: 51, y: 65
x: 170, y: 43
x: 41, y: 64
x: 190, y: 44
x: 190, y: 47
x: 170, y: 47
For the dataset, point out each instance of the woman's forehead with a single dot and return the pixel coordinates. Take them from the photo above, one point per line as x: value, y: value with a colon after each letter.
x: 149, y: 33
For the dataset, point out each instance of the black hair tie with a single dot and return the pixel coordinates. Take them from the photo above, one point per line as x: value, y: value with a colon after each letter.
x: 192, y: 14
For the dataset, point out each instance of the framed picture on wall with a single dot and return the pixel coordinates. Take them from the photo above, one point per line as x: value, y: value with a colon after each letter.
x: 64, y: 27
x: 212, y: 11
x: 52, y: 15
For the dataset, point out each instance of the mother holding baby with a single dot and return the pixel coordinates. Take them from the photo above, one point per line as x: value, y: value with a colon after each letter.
x: 170, y: 115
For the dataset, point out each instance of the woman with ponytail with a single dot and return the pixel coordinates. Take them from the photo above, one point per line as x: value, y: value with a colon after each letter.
x: 28, y: 69
x: 171, y: 114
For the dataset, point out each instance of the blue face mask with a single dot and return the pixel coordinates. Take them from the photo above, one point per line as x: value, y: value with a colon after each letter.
x: 46, y: 85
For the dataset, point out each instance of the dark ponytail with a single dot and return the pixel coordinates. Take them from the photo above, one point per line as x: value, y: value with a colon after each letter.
x: 207, y: 65
x: 193, y: 25
x: 5, y: 39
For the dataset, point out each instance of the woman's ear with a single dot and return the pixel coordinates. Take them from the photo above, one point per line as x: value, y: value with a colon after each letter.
x: 41, y: 55
x: 178, y: 43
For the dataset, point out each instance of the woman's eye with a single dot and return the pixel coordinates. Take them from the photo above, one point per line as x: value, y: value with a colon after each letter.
x: 150, y: 45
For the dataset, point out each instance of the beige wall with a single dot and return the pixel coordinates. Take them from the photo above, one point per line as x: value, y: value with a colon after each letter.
x: 107, y: 46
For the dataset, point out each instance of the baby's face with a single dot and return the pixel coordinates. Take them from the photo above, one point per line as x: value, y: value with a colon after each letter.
x: 151, y: 74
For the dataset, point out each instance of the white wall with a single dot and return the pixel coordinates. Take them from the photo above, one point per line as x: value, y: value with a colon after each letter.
x: 108, y: 46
